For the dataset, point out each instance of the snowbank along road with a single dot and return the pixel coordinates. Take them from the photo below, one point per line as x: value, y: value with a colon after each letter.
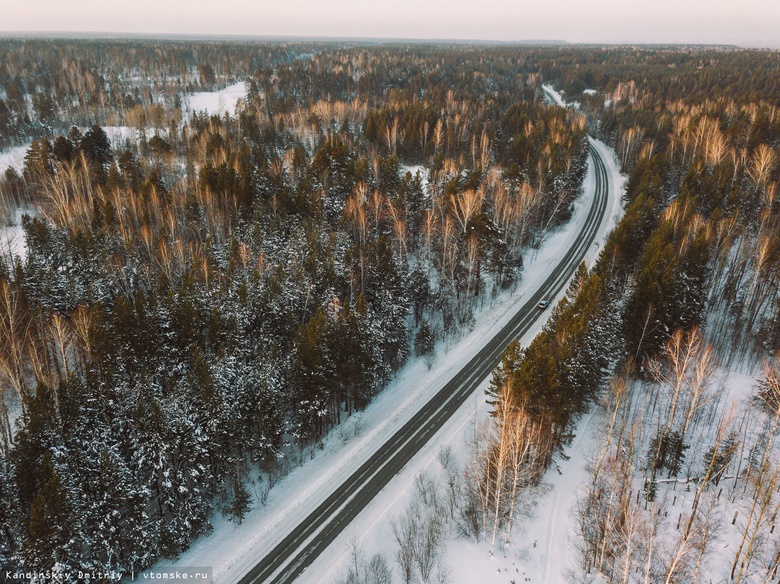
x: 312, y: 536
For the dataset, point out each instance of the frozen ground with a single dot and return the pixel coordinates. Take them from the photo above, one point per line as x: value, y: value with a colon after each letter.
x: 724, y: 506
x: 117, y: 136
x: 216, y: 102
x: 232, y: 549
x: 554, y: 96
x: 213, y: 102
x: 13, y: 157
x: 12, y: 236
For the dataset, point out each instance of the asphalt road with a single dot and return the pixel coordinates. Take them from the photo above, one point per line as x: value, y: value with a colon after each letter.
x: 313, y: 535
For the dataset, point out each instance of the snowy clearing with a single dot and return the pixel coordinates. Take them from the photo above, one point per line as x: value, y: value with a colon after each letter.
x: 118, y: 136
x: 216, y: 102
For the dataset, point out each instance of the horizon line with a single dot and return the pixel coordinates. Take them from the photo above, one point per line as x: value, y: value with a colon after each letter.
x: 106, y: 35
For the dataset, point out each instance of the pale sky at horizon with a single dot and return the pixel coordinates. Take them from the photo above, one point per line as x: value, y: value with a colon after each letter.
x: 754, y: 23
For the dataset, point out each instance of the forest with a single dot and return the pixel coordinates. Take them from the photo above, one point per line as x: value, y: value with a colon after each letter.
x: 204, y: 297
x: 206, y: 301
x: 684, y: 297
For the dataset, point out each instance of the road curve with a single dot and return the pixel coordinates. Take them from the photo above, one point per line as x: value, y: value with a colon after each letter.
x: 312, y: 536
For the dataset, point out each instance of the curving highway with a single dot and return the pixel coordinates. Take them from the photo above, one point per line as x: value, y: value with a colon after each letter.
x: 313, y: 535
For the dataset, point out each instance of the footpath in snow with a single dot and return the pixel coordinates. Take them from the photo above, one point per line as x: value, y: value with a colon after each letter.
x: 231, y: 550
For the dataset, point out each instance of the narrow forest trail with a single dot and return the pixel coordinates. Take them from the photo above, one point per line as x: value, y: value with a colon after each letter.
x: 559, y: 521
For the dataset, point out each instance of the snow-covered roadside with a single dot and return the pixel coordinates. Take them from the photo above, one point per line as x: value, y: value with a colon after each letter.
x: 470, y: 563
x: 232, y: 550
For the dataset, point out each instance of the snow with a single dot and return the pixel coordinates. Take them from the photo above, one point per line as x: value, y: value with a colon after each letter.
x: 554, y: 523
x: 732, y: 391
x: 553, y: 526
x: 216, y: 102
x: 589, y: 91
x: 542, y: 549
x: 553, y: 95
x: 13, y: 157
x: 233, y: 549
x: 416, y: 169
x: 119, y: 135
x: 12, y: 236
x: 617, y: 184
x: 117, y: 138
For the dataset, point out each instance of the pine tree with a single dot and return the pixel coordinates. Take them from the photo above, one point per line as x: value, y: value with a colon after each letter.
x: 424, y: 340
x: 241, y: 502
x: 47, y: 531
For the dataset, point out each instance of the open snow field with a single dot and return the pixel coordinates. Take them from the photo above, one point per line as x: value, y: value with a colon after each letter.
x: 232, y: 549
x: 216, y: 102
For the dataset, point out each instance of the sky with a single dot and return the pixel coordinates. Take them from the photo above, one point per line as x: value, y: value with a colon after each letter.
x: 753, y: 23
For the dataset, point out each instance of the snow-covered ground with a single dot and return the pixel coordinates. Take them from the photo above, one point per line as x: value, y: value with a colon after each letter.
x: 117, y: 136
x: 739, y: 388
x: 554, y: 96
x: 213, y: 102
x: 216, y: 102
x: 724, y: 507
x: 12, y: 236
x: 233, y: 549
x: 13, y: 157
x: 543, y: 551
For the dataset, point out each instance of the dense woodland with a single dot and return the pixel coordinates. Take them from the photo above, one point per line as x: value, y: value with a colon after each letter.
x: 200, y: 306
x: 686, y: 286
x: 197, y: 309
